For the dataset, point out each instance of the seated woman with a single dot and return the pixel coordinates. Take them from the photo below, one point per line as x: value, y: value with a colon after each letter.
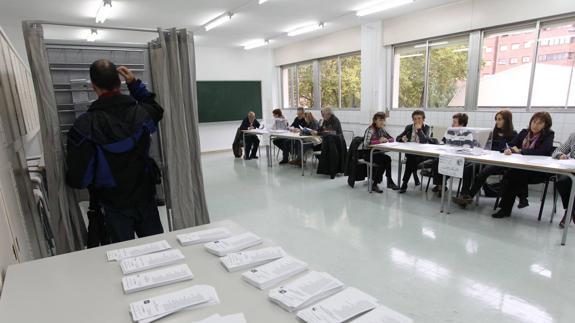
x: 418, y: 132
x: 376, y: 134
x: 281, y: 123
x: 310, y: 124
x: 457, y: 121
x: 503, y: 134
x: 565, y: 151
x: 536, y: 140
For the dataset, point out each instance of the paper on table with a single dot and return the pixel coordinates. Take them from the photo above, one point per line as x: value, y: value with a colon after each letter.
x: 119, y: 254
x: 156, y: 278
x: 233, y: 244
x: 382, y: 314
x: 340, y: 307
x: 305, y: 291
x: 251, y: 258
x: 203, y: 236
x: 145, y: 262
x: 274, y: 272
x: 149, y: 310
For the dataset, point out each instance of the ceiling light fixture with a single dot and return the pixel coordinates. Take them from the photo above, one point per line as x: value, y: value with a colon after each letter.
x: 382, y: 6
x: 104, y: 11
x: 306, y: 29
x: 262, y: 1
x: 93, y: 35
x: 219, y: 20
x: 255, y: 44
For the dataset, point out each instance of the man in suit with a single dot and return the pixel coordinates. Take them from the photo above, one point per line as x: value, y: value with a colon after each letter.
x: 417, y: 132
x: 252, y: 142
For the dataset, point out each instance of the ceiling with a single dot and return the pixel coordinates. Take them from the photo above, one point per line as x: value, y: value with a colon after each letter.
x: 251, y: 20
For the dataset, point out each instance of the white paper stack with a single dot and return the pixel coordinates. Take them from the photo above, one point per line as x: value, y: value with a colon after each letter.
x: 154, y: 260
x: 188, y: 239
x: 156, y: 278
x: 149, y: 310
x: 340, y: 307
x: 251, y: 258
x: 237, y: 243
x: 383, y: 314
x: 119, y: 254
x: 274, y: 273
x: 305, y: 291
x: 217, y: 318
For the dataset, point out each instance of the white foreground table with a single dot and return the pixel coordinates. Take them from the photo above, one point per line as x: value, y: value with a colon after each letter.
x: 83, y: 287
x: 532, y: 163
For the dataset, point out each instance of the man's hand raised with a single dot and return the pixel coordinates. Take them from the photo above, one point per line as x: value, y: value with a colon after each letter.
x: 126, y: 74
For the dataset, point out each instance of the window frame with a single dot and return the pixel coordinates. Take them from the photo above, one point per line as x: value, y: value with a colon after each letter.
x: 317, y: 81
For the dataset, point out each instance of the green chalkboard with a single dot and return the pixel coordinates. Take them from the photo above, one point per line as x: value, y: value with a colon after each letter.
x: 228, y: 100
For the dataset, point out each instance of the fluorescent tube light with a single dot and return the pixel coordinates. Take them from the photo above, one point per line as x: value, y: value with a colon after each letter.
x: 219, y: 20
x: 385, y: 5
x: 93, y: 35
x: 104, y: 11
x: 305, y: 29
x: 255, y: 44
x: 262, y: 1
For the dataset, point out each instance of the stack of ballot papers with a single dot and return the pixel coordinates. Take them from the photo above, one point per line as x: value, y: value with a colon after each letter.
x: 340, y: 307
x: 188, y: 239
x: 156, y: 278
x: 305, y: 291
x: 237, y: 243
x: 383, y: 314
x: 251, y: 258
x: 119, y: 254
x: 217, y: 318
x: 154, y: 260
x: 149, y: 310
x: 274, y: 273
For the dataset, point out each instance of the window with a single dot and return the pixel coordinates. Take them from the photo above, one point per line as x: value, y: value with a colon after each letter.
x: 504, y: 84
x: 527, y: 44
x: 488, y: 63
x: 554, y: 66
x: 409, y: 76
x: 331, y: 82
x: 514, y: 46
x: 513, y: 60
x: 350, y: 81
x: 488, y: 49
x: 447, y: 72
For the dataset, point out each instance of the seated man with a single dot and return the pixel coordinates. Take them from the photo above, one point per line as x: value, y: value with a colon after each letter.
x: 333, y: 147
x: 565, y: 151
x: 252, y: 142
x: 417, y: 132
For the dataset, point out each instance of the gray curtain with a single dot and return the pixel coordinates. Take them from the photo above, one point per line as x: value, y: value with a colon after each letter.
x: 66, y: 218
x: 174, y: 79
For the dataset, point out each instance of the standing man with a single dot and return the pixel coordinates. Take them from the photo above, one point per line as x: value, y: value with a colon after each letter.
x: 108, y: 151
x: 252, y: 142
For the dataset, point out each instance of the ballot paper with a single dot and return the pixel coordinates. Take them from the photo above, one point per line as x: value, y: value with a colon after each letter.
x: 275, y: 272
x: 203, y: 236
x: 156, y: 278
x: 307, y: 290
x: 119, y: 254
x: 233, y: 244
x: 251, y: 258
x: 149, y: 310
x: 382, y: 314
x: 340, y: 307
x: 217, y: 318
x: 154, y: 260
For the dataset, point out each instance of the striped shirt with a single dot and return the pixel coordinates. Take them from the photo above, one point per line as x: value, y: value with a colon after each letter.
x: 567, y: 149
x: 372, y: 136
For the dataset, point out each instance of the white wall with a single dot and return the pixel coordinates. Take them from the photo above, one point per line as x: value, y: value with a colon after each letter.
x: 228, y: 64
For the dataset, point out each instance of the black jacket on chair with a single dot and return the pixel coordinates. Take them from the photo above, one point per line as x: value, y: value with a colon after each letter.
x: 424, y: 134
x: 356, y: 172
x: 333, y: 156
x: 238, y: 143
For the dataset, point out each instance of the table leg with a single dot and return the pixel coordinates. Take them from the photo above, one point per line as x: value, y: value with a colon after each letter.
x: 399, y: 169
x: 569, y: 215
x: 245, y: 146
x: 271, y: 153
x: 449, y: 194
x: 442, y: 194
x: 370, y: 169
x: 302, y: 168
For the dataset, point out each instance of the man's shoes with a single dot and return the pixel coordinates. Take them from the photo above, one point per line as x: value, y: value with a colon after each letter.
x: 375, y: 188
x: 500, y: 214
x: 523, y: 203
x: 436, y: 188
x: 416, y: 180
x: 403, y: 188
x: 392, y: 185
x: 254, y: 157
x: 248, y: 158
x: 463, y: 200
x: 295, y: 162
x: 283, y: 162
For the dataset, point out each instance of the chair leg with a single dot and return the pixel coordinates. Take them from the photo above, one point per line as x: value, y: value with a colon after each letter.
x: 421, y: 186
x: 459, y: 187
x: 554, y: 201
x: 543, y: 200
x: 428, y: 182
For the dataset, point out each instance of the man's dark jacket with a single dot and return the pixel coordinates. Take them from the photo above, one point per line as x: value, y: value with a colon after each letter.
x: 108, y: 148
